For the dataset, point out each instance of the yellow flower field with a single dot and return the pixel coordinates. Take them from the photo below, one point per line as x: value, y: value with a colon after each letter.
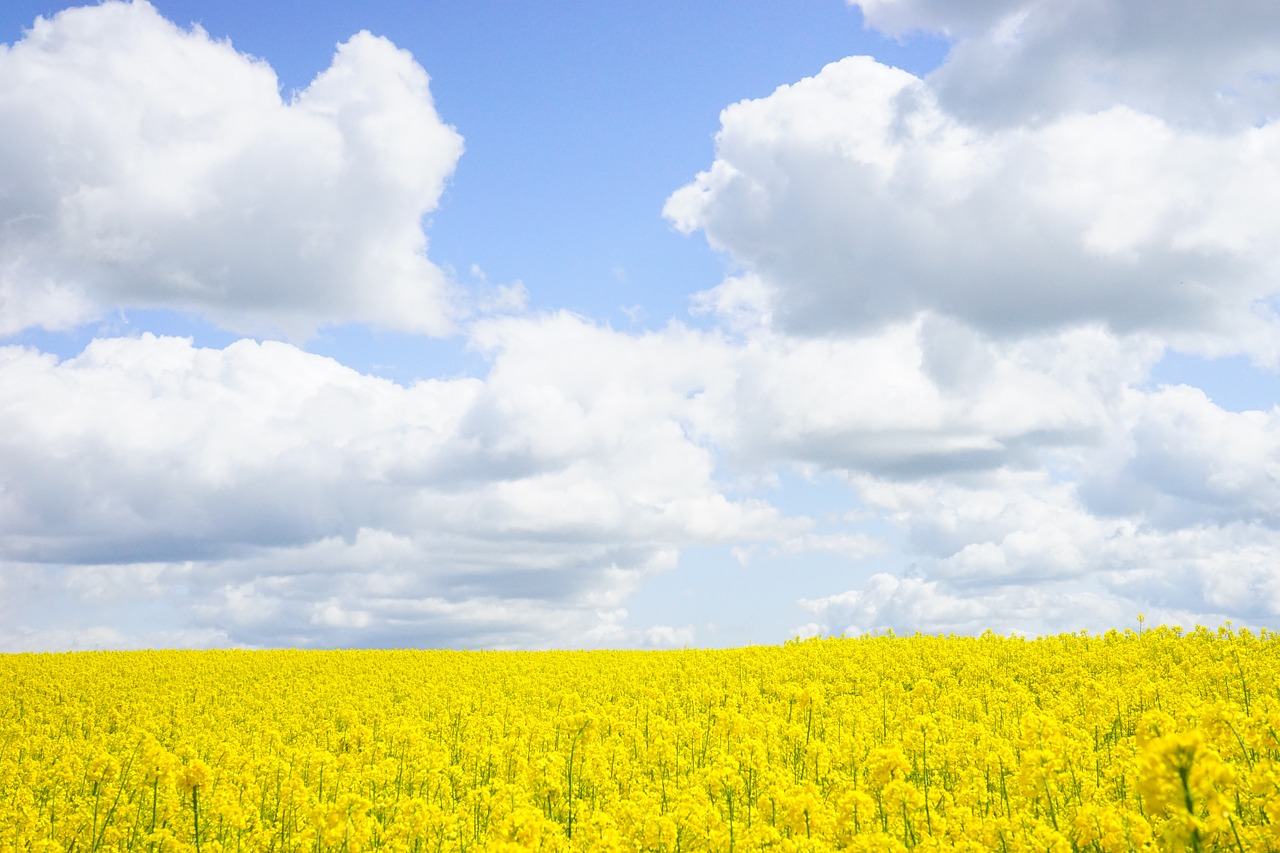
x: 1130, y: 741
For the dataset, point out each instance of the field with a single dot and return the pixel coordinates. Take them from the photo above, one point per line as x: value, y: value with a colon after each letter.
x: 1154, y: 740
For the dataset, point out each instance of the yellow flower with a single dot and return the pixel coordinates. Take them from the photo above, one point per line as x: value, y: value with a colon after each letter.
x: 194, y: 774
x: 1120, y: 742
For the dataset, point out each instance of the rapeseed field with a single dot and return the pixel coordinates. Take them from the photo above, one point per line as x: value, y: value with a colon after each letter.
x: 1133, y: 741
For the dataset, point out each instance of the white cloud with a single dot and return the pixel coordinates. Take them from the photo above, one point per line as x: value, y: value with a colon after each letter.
x: 919, y: 398
x: 265, y: 496
x: 150, y: 166
x: 906, y: 605
x: 1189, y: 533
x: 1184, y: 461
x: 670, y: 636
x: 1038, y: 565
x: 857, y: 199
x: 951, y: 304
x: 851, y: 546
x: 278, y: 497
x: 102, y: 638
x: 1027, y: 60
x: 980, y: 268
x: 951, y: 291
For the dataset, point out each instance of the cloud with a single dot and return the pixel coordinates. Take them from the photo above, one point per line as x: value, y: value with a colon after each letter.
x: 947, y: 304
x: 857, y: 199
x: 668, y: 636
x: 279, y: 498
x: 1184, y: 461
x: 907, y: 605
x: 261, y: 495
x: 1013, y: 61
x: 1180, y: 527
x: 950, y: 291
x: 922, y: 398
x: 150, y: 166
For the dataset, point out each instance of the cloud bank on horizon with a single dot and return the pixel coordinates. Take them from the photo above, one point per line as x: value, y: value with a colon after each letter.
x: 945, y: 294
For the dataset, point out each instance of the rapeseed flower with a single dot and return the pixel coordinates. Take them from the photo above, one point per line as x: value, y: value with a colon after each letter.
x: 1157, y: 740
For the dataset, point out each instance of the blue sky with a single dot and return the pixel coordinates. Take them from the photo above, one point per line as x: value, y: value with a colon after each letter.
x: 682, y: 324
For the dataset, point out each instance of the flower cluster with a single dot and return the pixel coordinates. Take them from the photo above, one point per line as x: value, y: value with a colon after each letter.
x: 1148, y: 741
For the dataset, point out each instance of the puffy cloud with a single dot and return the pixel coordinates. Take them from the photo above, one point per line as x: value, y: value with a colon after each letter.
x: 668, y: 636
x: 922, y: 398
x: 1184, y: 461
x: 146, y: 165
x: 951, y: 306
x: 260, y: 495
x: 858, y: 199
x: 1019, y: 60
x: 1179, y: 527
x: 951, y: 290
x: 276, y: 497
x: 906, y: 605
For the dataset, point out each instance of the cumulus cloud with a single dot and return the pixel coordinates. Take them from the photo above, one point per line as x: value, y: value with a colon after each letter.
x: 279, y: 498
x: 1024, y: 60
x: 947, y: 295
x: 950, y: 291
x: 1184, y: 461
x: 147, y: 165
x: 668, y: 636
x: 1196, y: 576
x: 260, y: 495
x: 1187, y: 534
x: 906, y: 605
x: 858, y: 199
x: 923, y: 398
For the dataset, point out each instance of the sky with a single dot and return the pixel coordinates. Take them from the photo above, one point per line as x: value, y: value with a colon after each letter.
x: 580, y: 325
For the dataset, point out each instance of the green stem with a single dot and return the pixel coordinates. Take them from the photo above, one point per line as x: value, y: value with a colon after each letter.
x: 1183, y: 773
